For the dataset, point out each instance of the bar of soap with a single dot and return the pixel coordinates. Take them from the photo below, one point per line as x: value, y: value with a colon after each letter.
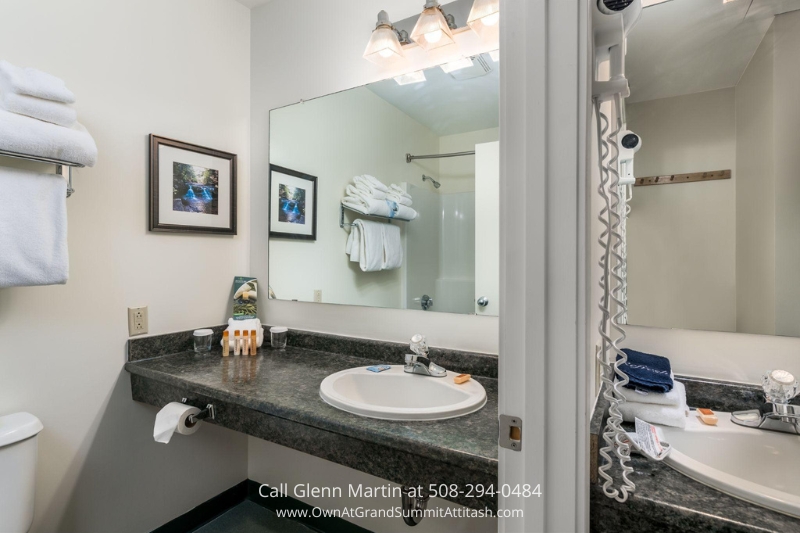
x: 461, y: 378
x: 707, y: 416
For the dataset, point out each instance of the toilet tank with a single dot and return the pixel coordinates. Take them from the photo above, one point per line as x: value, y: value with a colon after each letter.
x: 18, y: 446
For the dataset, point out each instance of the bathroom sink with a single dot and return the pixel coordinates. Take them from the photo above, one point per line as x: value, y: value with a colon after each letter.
x: 752, y: 464
x: 396, y: 395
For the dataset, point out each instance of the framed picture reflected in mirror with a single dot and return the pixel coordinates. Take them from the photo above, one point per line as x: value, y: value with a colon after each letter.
x: 292, y: 204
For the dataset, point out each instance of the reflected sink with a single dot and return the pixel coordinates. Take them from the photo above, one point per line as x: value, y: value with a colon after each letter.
x: 752, y: 464
x: 397, y: 395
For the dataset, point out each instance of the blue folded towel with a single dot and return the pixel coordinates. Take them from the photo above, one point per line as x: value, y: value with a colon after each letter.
x: 647, y: 372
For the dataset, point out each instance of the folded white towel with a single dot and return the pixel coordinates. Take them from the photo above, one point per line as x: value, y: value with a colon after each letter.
x: 399, y: 190
x: 34, y: 83
x: 368, y: 245
x: 673, y: 397
x: 382, y: 208
x: 47, y: 110
x: 244, y: 325
x: 370, y: 183
x: 364, y: 192
x: 33, y: 229
x: 26, y: 135
x: 402, y: 200
x: 666, y: 415
x: 392, y: 247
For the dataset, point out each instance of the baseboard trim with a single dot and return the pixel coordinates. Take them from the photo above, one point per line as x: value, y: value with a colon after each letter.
x: 207, y: 511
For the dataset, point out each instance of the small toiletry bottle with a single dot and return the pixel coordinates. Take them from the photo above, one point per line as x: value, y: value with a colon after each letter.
x: 253, y: 342
x: 225, y: 343
x: 237, y: 342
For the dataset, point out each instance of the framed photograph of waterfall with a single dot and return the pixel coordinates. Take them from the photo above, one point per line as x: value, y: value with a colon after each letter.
x: 292, y: 204
x: 192, y: 188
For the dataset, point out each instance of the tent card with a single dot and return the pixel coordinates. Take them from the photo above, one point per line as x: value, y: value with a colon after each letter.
x: 245, y: 298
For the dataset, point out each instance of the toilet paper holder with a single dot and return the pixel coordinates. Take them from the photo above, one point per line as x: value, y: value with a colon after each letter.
x: 208, y: 412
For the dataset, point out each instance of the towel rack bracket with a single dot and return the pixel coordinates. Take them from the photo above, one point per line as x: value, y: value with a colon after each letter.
x: 58, y: 163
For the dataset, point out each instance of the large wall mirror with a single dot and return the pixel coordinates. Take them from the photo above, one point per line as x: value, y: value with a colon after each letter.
x: 401, y: 179
x: 713, y: 234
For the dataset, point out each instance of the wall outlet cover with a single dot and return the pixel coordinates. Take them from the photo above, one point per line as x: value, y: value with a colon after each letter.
x: 137, y: 321
x: 318, y: 295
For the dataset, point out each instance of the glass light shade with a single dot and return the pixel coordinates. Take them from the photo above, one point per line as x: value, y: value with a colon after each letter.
x: 484, y: 18
x: 383, y: 47
x: 431, y: 30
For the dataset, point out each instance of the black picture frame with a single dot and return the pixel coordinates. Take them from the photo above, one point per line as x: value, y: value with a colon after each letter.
x: 155, y: 224
x: 273, y: 204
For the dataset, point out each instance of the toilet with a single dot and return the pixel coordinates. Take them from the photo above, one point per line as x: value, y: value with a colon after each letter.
x: 18, y: 446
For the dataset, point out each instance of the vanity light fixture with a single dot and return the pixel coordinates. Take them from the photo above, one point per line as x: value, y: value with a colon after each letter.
x: 384, y: 44
x: 432, y: 29
x: 411, y: 77
x: 458, y: 64
x: 484, y: 17
x: 495, y: 55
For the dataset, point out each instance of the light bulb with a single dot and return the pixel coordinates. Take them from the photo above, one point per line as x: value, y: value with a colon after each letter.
x: 386, y: 53
x: 434, y: 36
x: 491, y: 20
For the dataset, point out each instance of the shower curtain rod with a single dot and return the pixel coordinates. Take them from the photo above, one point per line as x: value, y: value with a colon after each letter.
x: 410, y: 158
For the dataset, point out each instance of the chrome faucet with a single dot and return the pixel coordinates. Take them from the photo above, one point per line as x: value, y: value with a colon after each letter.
x: 418, y: 362
x: 777, y: 414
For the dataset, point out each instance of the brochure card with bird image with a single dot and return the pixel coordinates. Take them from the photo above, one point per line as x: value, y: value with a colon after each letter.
x: 245, y: 298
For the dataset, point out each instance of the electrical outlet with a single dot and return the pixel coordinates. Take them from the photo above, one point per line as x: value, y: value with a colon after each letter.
x: 318, y: 295
x: 137, y: 321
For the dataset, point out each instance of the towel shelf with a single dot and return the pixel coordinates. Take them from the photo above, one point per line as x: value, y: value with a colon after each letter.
x: 57, y: 162
x: 342, y: 223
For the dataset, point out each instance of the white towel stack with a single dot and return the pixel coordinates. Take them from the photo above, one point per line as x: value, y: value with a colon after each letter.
x: 375, y: 246
x: 667, y: 409
x: 369, y: 196
x: 36, y: 117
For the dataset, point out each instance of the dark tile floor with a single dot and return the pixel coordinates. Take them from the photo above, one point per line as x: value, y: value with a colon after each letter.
x: 248, y: 517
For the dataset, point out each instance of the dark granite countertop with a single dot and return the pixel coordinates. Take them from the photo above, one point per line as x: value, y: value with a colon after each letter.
x: 286, y: 383
x: 665, y: 499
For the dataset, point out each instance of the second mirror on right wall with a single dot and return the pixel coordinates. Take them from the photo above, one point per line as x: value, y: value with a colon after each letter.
x: 713, y: 233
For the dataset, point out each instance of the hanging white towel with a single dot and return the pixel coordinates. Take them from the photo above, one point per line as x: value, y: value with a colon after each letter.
x: 370, y: 244
x: 33, y: 229
x: 665, y: 415
x: 382, y: 208
x: 392, y: 247
x: 26, y: 135
x: 47, y: 110
x: 33, y: 83
x: 353, y: 247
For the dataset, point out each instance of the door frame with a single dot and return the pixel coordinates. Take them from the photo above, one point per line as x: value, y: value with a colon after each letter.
x: 543, y: 372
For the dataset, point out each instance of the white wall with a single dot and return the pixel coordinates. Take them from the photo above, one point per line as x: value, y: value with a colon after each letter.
x: 755, y: 193
x: 178, y: 69
x: 457, y: 174
x: 328, y: 65
x: 682, y: 238
x: 336, y: 138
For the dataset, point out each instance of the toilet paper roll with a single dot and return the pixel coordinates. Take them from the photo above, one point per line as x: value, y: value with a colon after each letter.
x: 172, y: 418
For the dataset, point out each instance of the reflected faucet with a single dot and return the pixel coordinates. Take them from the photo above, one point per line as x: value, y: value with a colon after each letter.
x: 418, y: 362
x: 777, y: 414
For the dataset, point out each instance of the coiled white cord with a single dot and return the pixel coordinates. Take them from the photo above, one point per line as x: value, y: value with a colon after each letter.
x: 612, y: 262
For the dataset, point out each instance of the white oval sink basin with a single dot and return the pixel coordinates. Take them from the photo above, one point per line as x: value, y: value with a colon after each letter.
x: 396, y: 395
x: 752, y: 464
